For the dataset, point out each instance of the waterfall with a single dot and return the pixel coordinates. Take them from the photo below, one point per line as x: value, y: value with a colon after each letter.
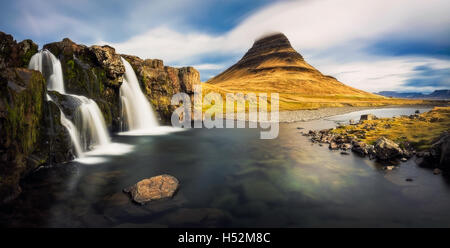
x: 73, y: 132
x: 50, y: 67
x: 137, y: 111
x: 90, y: 129
x: 90, y: 121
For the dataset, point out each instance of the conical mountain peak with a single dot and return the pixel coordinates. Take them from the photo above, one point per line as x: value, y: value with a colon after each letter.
x: 273, y: 51
x: 276, y: 44
x: 271, y: 64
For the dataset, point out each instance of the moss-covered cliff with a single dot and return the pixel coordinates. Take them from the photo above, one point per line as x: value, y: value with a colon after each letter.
x: 95, y: 72
x: 24, y: 140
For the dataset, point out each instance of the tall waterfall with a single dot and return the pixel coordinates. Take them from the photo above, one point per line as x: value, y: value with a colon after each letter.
x: 90, y: 129
x: 50, y: 67
x: 137, y: 112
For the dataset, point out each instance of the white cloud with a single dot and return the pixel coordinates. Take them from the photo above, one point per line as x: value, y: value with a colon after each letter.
x: 326, y: 33
x: 383, y: 73
x: 209, y: 66
x: 169, y: 45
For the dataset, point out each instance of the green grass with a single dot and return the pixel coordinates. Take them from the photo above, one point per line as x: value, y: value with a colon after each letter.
x: 420, y: 132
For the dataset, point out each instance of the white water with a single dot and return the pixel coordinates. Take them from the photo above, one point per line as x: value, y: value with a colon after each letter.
x: 89, y: 137
x: 73, y: 132
x: 49, y: 66
x: 90, y: 122
x: 138, y: 113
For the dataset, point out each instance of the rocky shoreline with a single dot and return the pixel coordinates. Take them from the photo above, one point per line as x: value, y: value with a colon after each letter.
x: 387, y: 151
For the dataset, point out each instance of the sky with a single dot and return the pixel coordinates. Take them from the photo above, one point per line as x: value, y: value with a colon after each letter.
x: 373, y: 45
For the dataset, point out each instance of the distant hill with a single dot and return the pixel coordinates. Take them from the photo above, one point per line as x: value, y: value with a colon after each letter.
x: 440, y: 94
x: 437, y: 94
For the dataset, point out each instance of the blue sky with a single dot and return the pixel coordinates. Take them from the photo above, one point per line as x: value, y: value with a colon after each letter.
x: 373, y: 45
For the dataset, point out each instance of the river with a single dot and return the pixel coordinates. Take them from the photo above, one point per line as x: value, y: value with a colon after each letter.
x: 231, y: 178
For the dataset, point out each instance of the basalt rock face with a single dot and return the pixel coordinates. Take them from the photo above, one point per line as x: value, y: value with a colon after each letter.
x: 161, y: 82
x: 13, y: 54
x: 27, y: 133
x: 67, y: 103
x: 95, y: 72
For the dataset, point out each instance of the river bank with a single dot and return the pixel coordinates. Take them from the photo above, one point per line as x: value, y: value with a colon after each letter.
x: 394, y: 139
x: 315, y: 114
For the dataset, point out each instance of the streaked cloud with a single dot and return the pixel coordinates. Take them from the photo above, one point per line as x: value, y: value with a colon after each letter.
x: 372, y: 45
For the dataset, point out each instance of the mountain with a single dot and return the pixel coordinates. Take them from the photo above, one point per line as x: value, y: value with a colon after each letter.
x: 272, y: 65
x: 437, y: 94
x: 401, y: 94
x: 440, y: 94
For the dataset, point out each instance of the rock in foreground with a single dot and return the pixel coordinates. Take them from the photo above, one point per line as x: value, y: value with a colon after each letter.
x: 439, y: 153
x: 154, y: 188
x: 387, y: 149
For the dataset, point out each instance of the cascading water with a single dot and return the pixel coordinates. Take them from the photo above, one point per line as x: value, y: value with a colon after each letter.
x: 73, y: 132
x: 90, y: 129
x: 138, y: 113
x: 89, y: 119
x: 50, y: 67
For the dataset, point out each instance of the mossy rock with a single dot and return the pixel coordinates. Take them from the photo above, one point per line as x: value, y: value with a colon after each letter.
x: 22, y: 97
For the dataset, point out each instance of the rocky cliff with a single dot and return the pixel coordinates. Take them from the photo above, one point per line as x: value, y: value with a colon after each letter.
x: 13, y: 54
x: 31, y: 133
x: 95, y: 72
